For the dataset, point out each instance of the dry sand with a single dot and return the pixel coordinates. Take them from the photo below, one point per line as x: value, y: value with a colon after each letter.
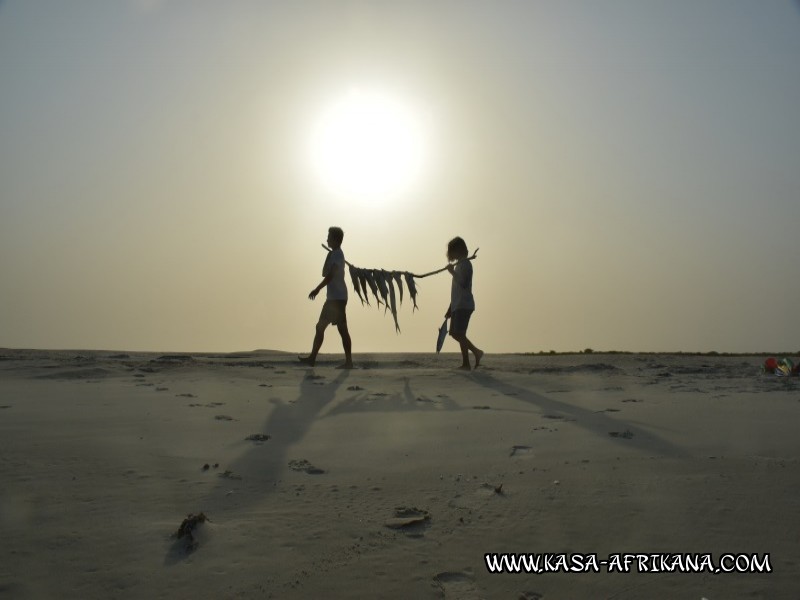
x: 391, y: 480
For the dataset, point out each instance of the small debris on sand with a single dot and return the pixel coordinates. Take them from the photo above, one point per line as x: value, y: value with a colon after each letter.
x: 624, y: 434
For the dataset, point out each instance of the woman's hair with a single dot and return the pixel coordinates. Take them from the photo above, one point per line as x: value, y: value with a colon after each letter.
x: 456, y: 249
x: 336, y: 233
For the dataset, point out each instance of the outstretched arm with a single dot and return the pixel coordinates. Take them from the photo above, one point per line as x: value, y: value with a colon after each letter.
x: 447, y: 268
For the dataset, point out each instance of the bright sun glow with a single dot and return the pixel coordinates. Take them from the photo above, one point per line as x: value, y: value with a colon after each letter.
x: 368, y: 145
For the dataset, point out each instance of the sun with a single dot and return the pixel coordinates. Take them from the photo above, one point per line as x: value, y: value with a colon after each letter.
x: 368, y: 144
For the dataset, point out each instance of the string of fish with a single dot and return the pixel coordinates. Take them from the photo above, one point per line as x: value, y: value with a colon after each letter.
x: 382, y: 285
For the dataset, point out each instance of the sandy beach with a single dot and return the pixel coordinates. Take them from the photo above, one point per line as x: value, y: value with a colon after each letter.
x: 394, y: 479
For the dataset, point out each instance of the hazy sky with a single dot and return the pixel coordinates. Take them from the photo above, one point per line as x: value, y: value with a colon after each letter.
x: 629, y: 169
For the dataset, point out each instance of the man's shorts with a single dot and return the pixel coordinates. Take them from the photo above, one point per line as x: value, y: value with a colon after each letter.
x: 333, y: 312
x: 459, y: 320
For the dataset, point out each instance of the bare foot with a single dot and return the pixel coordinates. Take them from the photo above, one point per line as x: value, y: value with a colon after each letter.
x: 464, y: 368
x: 345, y: 365
x: 306, y: 360
x: 478, y: 357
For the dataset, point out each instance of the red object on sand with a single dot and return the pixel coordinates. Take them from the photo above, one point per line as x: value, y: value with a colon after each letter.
x: 770, y: 364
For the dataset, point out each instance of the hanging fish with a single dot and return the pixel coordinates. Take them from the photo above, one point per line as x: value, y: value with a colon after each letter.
x: 392, y: 301
x: 380, y: 279
x: 399, y: 280
x: 441, y: 337
x: 412, y: 289
x: 370, y: 276
x: 354, y: 278
x: 362, y: 279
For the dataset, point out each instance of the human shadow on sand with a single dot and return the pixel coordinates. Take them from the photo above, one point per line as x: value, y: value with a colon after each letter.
x: 257, y: 470
x: 599, y: 423
x: 404, y: 401
x: 286, y: 425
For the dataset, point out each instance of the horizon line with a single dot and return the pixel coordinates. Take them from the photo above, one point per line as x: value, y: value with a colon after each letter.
x: 586, y: 351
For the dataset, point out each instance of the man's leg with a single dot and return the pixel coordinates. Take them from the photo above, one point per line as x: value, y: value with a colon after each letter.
x: 318, y: 338
x: 347, y: 345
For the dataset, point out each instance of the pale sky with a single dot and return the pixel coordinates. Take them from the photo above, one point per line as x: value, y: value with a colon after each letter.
x: 630, y: 170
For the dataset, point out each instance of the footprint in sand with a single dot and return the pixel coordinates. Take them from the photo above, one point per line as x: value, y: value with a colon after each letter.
x: 479, y: 498
x: 305, y: 466
x: 223, y: 418
x: 457, y: 585
x: 520, y: 450
x: 411, y: 521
